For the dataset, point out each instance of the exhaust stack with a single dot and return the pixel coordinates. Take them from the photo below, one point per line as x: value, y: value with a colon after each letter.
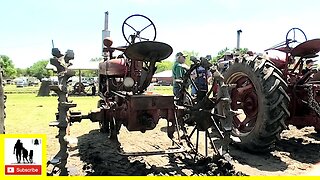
x: 238, y: 38
x: 105, y: 31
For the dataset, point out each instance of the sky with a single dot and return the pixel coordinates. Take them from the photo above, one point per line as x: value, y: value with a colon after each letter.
x: 203, y: 26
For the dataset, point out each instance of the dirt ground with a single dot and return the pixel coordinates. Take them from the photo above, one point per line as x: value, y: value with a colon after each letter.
x: 92, y: 153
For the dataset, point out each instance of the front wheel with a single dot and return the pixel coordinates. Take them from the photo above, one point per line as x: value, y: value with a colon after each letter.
x: 262, y: 101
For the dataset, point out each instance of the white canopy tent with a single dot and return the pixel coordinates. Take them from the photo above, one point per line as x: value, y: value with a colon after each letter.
x: 79, y: 65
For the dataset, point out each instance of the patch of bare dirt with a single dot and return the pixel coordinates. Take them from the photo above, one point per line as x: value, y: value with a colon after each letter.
x: 296, y: 153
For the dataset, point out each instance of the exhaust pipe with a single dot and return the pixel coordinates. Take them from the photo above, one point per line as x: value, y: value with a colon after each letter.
x: 238, y: 38
x: 105, y: 31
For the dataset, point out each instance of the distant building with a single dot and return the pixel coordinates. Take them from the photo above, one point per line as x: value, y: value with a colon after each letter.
x: 163, y: 78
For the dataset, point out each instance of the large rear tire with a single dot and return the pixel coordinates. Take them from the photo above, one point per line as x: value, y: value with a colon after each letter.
x: 261, y: 97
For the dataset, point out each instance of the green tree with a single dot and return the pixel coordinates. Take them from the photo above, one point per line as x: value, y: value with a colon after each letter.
x: 8, y: 66
x: 21, y: 72
x: 221, y: 53
x: 87, y: 73
x: 39, y: 70
x: 242, y: 50
x: 189, y: 54
x: 164, y: 65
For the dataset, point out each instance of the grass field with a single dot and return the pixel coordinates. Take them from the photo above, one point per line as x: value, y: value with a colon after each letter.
x: 27, y: 113
x: 12, y: 89
x: 167, y: 90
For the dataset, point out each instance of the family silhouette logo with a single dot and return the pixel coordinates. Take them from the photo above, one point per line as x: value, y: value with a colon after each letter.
x: 23, y: 156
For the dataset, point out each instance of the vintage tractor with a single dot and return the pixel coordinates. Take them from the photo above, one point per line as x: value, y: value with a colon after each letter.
x: 272, y: 92
x: 123, y: 81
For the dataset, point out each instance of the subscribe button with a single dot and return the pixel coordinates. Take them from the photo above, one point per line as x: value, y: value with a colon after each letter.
x: 23, y: 170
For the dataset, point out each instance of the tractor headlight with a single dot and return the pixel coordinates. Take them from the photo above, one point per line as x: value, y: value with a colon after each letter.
x: 128, y: 82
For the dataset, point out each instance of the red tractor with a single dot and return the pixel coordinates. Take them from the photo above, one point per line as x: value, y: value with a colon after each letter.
x: 123, y: 80
x: 272, y: 92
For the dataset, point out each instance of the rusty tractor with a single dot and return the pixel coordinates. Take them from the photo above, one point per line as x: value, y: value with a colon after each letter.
x: 272, y: 92
x: 123, y: 81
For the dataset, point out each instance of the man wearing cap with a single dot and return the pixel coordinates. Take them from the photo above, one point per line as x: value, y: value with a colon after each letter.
x: 309, y: 65
x: 224, y: 62
x: 178, y: 70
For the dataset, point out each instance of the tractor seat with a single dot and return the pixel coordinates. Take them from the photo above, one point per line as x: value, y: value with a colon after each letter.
x: 279, y: 63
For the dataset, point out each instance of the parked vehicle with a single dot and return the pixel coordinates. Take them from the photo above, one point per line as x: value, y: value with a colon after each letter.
x: 22, y: 83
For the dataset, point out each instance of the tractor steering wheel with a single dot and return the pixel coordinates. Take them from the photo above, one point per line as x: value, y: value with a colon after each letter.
x: 290, y: 41
x: 147, y: 30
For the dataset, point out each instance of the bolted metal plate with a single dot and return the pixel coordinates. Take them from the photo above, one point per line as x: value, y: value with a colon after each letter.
x: 148, y: 51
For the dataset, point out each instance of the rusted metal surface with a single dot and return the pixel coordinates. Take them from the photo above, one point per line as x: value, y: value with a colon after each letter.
x: 302, y: 112
x: 126, y: 103
x: 310, y: 47
x: 60, y: 159
x: 114, y: 67
x: 148, y: 51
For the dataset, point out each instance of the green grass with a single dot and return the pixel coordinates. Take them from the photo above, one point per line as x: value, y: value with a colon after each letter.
x: 27, y: 113
x: 167, y: 90
x: 9, y: 89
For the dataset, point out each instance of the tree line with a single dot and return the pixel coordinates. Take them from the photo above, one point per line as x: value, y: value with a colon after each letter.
x: 38, y: 69
x: 167, y: 64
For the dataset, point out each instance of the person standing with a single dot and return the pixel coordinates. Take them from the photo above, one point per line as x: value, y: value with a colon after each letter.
x: 201, y: 78
x: 18, y: 150
x: 309, y: 66
x: 178, y: 70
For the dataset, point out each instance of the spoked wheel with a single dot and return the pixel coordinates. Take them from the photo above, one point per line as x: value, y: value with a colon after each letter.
x: 195, y: 128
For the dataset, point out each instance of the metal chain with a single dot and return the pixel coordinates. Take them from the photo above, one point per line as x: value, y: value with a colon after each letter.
x: 313, y: 104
